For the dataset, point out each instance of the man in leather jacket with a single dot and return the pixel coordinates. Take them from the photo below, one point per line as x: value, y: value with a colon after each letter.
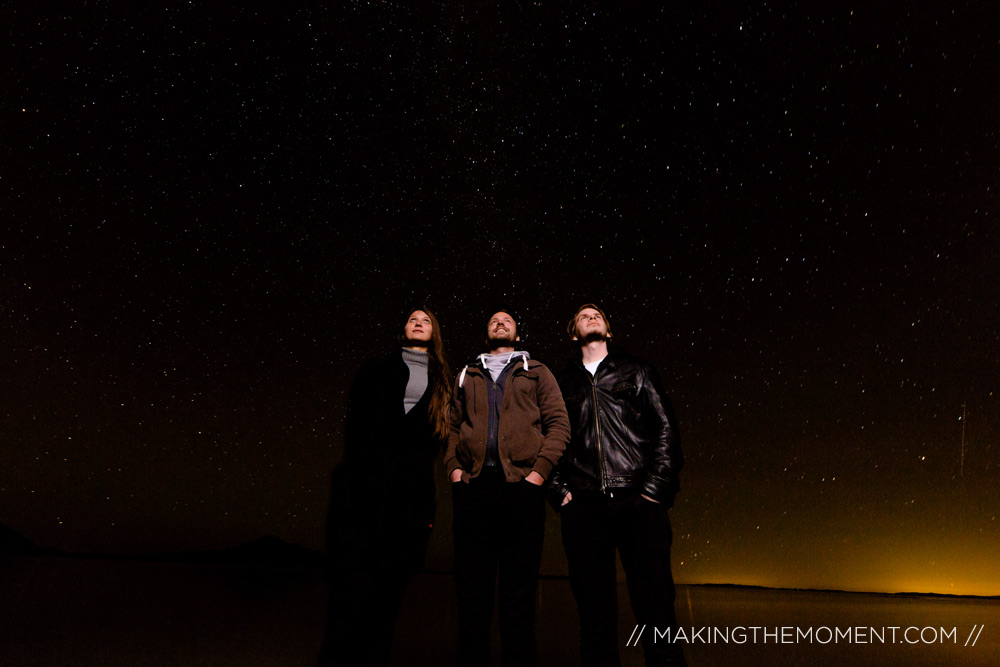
x: 613, y: 487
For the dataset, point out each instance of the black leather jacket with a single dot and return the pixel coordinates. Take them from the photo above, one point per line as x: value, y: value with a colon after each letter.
x: 623, y: 432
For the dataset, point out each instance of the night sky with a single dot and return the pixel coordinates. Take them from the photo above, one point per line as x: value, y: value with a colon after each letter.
x: 213, y: 215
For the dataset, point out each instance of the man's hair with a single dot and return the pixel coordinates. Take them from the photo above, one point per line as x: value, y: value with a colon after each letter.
x: 571, y: 326
x: 501, y: 309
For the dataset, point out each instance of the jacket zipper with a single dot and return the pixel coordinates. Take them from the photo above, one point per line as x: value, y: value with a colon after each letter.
x: 597, y: 428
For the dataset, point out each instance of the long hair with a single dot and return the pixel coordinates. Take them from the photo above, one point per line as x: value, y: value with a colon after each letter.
x: 438, y: 374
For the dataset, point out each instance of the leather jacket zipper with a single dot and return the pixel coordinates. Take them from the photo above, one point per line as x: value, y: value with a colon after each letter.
x: 597, y: 428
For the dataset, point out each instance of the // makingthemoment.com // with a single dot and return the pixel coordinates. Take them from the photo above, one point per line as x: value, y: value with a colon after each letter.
x: 807, y: 635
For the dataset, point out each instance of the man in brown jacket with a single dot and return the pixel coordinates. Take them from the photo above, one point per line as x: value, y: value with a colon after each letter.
x: 508, y: 429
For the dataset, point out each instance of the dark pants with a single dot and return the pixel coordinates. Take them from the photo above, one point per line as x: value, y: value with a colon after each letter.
x: 640, y: 530
x: 499, y: 528
x: 367, y: 580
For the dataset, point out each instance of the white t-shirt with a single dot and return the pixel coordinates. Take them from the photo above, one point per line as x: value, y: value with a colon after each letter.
x: 592, y: 367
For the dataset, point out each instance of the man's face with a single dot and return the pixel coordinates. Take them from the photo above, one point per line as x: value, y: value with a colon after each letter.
x: 418, y: 328
x: 590, y: 325
x: 502, y: 329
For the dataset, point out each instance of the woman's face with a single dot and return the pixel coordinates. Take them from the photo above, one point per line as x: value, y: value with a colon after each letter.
x: 418, y: 327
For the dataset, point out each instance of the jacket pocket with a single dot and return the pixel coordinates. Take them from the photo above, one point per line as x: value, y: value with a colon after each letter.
x: 525, y: 447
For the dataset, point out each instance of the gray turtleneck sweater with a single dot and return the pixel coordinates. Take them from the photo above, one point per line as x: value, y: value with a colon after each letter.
x: 416, y: 385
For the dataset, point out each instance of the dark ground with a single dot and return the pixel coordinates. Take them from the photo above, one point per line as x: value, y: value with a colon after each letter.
x: 63, y: 611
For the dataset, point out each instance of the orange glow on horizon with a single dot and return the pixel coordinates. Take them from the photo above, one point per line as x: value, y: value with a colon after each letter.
x: 903, y: 584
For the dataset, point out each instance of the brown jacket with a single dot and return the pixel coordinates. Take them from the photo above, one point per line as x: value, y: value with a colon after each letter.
x: 533, y: 429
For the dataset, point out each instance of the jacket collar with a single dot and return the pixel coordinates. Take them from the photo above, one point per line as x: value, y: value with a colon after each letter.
x: 518, y: 356
x: 476, y: 367
x: 606, y: 361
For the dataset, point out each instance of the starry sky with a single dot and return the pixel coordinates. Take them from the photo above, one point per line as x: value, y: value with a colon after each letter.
x: 213, y: 215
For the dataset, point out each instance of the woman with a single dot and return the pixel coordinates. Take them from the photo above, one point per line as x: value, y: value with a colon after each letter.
x: 382, y: 494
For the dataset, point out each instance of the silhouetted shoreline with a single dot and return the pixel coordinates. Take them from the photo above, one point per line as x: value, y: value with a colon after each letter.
x: 120, y: 610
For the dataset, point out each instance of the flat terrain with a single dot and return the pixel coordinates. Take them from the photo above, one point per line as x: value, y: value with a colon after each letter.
x: 64, y: 612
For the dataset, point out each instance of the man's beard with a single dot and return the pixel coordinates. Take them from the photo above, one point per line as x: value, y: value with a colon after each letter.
x: 505, y: 340
x: 592, y: 337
